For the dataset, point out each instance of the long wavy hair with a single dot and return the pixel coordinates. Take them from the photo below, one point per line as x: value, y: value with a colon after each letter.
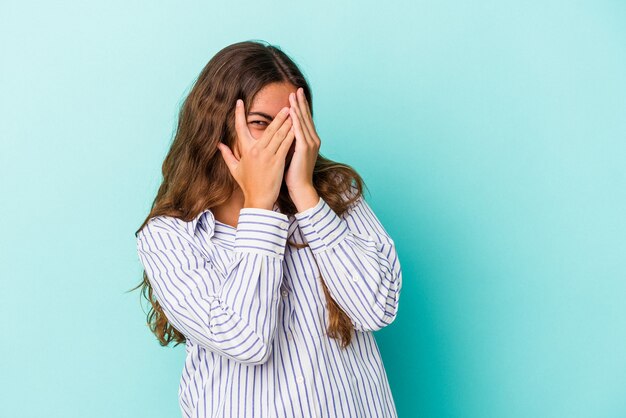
x: 195, y: 176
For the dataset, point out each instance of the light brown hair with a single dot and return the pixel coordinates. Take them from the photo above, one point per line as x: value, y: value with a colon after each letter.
x: 195, y: 176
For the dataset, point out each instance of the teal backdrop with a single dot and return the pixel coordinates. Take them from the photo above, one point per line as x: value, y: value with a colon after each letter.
x: 492, y: 136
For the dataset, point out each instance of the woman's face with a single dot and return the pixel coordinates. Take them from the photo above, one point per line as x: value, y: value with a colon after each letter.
x: 265, y: 106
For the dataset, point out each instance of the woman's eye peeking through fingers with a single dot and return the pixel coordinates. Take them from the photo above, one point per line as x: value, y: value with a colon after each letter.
x: 258, y: 122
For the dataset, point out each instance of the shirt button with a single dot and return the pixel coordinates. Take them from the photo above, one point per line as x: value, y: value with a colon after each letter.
x: 300, y: 379
x: 290, y: 336
x: 355, y: 278
x: 285, y: 293
x: 283, y: 224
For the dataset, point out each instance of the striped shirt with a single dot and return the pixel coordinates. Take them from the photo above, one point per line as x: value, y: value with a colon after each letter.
x: 254, y: 313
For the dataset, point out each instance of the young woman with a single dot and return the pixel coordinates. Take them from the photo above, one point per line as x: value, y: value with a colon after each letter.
x: 262, y: 255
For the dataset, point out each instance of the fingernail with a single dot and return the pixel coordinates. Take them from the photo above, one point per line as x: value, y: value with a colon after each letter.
x: 239, y: 102
x: 285, y: 110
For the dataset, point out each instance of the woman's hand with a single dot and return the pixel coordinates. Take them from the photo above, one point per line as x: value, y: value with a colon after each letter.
x: 260, y: 168
x: 299, y: 175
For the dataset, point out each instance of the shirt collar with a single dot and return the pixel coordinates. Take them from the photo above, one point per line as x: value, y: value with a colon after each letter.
x: 193, y: 224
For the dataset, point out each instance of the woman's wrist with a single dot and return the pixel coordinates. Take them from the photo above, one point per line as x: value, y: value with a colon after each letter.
x: 258, y: 204
x: 304, y: 197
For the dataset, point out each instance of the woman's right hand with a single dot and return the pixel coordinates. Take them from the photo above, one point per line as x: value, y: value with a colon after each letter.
x: 259, y: 170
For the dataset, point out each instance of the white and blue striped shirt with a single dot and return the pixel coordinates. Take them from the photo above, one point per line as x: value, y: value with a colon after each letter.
x: 254, y: 314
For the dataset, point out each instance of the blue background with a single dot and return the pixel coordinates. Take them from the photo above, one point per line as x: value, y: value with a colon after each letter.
x: 492, y: 136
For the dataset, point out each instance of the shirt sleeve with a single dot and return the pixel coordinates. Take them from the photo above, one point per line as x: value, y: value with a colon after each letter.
x: 233, y: 314
x: 358, y: 261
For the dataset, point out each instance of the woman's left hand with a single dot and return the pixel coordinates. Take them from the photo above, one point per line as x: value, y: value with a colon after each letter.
x: 299, y: 175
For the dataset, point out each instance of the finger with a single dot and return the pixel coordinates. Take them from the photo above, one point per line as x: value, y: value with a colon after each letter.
x: 283, y: 149
x: 297, y: 103
x: 303, y: 105
x: 271, y: 129
x: 241, y: 126
x: 297, y: 125
x: 279, y: 136
x: 227, y: 155
x: 306, y: 110
x: 298, y: 120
